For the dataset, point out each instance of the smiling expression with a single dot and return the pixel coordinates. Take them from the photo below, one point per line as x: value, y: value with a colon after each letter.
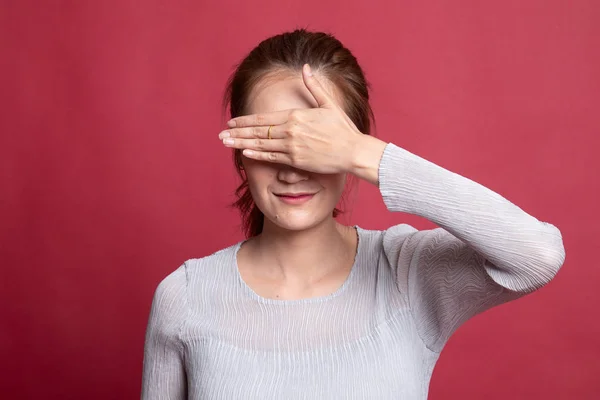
x: 290, y: 198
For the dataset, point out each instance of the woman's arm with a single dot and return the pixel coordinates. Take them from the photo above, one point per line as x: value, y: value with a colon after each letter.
x: 488, y: 251
x: 524, y: 253
x: 164, y: 372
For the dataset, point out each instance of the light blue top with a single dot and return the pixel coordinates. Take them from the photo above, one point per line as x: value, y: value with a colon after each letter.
x: 380, y: 334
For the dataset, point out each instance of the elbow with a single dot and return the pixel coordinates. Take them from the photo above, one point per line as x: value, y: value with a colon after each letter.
x: 554, y: 255
x: 552, y: 262
x: 534, y: 269
x: 548, y: 269
x: 543, y: 268
x: 527, y: 279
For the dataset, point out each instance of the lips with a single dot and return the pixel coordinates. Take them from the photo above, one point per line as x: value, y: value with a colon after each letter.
x: 295, y: 198
x: 293, y: 195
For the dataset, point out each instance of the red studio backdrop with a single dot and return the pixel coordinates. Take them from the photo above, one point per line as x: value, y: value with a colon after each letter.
x: 112, y: 173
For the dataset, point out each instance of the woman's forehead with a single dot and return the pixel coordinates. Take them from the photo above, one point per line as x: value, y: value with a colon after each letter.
x: 282, y: 92
x: 279, y: 94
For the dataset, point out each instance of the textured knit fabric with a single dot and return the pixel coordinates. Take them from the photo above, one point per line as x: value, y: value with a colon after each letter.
x: 210, y: 336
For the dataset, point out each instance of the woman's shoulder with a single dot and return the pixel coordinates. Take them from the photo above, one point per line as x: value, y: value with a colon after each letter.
x: 394, y: 241
x: 204, y: 264
x: 217, y: 256
x: 391, y: 236
x: 213, y: 265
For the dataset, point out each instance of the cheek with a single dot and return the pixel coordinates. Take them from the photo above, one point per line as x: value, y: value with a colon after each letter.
x: 334, y: 183
x: 259, y: 176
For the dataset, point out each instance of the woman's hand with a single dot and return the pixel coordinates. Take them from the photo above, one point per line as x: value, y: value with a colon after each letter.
x: 321, y: 140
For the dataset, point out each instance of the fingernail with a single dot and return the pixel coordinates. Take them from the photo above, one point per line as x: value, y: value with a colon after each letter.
x: 231, y: 124
x: 307, y: 69
x: 248, y: 153
x: 224, y: 134
x: 228, y: 141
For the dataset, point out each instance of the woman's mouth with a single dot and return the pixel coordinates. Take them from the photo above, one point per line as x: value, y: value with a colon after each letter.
x: 295, y: 198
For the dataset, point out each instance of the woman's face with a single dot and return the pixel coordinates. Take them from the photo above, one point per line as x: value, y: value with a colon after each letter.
x: 270, y: 182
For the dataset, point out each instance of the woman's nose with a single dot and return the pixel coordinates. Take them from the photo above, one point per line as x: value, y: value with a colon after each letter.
x: 292, y: 175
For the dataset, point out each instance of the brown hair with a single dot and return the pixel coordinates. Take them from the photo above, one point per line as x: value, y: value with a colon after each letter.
x: 289, y: 52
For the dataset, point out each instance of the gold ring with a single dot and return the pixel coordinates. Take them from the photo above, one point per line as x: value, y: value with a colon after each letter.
x: 269, y: 132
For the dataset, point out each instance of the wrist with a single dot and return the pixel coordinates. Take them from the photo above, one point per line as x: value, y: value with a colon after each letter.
x: 365, y: 158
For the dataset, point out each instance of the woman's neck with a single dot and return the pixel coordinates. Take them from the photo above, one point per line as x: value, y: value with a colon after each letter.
x: 308, y: 255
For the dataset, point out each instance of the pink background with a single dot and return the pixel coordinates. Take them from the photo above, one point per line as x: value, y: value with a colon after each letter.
x: 111, y: 173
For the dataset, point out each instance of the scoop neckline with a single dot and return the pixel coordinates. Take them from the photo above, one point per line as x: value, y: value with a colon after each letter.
x: 249, y: 291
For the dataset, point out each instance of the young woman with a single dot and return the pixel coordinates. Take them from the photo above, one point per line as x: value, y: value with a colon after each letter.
x: 307, y: 308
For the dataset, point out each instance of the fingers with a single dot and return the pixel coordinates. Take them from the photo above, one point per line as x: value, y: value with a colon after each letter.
x: 273, y: 145
x: 315, y: 88
x: 271, y: 156
x: 271, y: 150
x: 255, y: 132
x: 273, y: 118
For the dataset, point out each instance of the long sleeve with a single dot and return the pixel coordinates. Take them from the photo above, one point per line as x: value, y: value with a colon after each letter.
x: 163, y: 371
x: 487, y: 250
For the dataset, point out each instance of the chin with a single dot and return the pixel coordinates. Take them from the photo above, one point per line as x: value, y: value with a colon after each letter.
x: 297, y: 223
